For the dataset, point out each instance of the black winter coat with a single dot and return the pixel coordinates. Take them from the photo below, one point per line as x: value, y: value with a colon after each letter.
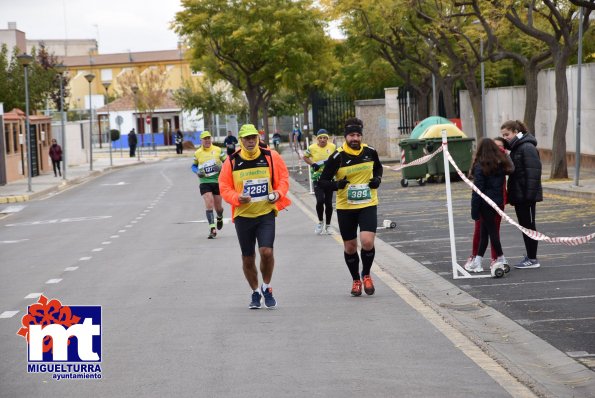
x: 524, y: 185
x: 492, y: 186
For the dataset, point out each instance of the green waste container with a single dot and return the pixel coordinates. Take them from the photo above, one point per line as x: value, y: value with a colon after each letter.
x: 461, y: 150
x: 413, y: 149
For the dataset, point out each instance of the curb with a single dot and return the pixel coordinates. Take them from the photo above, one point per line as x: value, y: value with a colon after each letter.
x: 569, y: 192
x: 544, y: 369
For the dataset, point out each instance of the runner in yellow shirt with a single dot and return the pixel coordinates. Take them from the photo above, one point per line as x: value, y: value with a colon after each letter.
x: 357, y: 173
x: 207, y: 165
x: 316, y: 156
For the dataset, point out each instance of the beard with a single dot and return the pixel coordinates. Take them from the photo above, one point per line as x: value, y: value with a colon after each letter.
x: 354, y: 144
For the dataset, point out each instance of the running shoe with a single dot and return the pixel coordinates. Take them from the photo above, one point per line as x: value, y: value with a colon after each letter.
x: 327, y: 230
x: 219, y: 222
x: 255, y: 303
x: 528, y: 263
x: 469, y: 263
x: 213, y: 234
x: 269, y: 300
x: 356, y: 288
x: 318, y: 229
x: 475, y: 265
x: 368, y: 285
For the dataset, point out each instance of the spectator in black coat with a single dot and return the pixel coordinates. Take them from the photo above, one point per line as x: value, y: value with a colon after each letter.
x: 524, y: 185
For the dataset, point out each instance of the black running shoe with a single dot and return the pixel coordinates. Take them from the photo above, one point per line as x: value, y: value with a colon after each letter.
x: 213, y: 234
x: 255, y: 303
x: 219, y: 222
x: 269, y: 300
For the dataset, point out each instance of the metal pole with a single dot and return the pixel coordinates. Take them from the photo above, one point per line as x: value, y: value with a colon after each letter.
x: 434, y: 108
x: 483, y: 96
x: 109, y: 130
x: 577, y: 153
x: 63, y: 125
x: 451, y: 229
x: 90, y: 131
x: 27, y: 128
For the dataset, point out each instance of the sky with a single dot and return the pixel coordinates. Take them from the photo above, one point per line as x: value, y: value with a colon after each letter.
x: 118, y: 25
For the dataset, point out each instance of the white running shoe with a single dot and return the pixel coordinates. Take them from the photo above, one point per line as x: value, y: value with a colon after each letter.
x: 469, y: 264
x: 318, y: 229
x: 327, y: 230
x: 475, y: 265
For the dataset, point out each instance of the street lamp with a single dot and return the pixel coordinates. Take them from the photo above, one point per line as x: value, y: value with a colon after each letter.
x: 90, y: 78
x: 577, y: 151
x: 60, y: 69
x: 25, y: 60
x: 134, y: 89
x: 483, y: 87
x: 109, y: 131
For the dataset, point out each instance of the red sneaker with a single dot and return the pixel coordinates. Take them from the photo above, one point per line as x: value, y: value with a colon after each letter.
x: 369, y: 285
x: 356, y: 288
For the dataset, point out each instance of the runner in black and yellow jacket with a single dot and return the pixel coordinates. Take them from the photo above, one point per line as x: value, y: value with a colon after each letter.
x: 357, y: 173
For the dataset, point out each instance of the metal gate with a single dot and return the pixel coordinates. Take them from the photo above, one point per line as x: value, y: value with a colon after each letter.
x: 407, y: 110
x: 330, y: 113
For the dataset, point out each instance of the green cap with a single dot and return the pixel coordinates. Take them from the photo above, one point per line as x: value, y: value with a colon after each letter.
x: 205, y: 134
x: 247, y: 130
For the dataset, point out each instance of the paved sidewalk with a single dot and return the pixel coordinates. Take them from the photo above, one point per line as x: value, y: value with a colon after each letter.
x: 17, y: 191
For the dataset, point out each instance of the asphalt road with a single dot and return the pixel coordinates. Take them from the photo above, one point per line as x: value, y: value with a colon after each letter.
x: 175, y: 321
x: 555, y: 302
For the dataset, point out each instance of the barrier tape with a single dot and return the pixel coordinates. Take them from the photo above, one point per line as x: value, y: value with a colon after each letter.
x: 570, y: 241
x: 416, y: 162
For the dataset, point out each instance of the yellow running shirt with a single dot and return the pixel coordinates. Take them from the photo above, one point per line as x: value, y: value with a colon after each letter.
x: 253, y: 177
x: 318, y: 155
x: 209, y: 163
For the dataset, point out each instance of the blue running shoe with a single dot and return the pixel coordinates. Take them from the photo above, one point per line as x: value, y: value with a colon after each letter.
x: 255, y: 303
x: 269, y: 300
x: 528, y: 263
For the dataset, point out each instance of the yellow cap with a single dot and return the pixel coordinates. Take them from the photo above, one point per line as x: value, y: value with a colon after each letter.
x: 246, y: 130
x: 205, y: 134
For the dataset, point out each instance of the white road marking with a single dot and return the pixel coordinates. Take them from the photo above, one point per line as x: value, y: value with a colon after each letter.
x: 71, y: 268
x: 133, y: 222
x: 12, y: 209
x: 85, y: 258
x: 59, y: 221
x: 533, y: 282
x: 106, y: 243
x: 13, y: 241
x: 122, y: 231
x: 539, y: 299
x: 8, y: 314
x: 139, y: 218
x: 426, y: 262
x: 98, y: 249
x: 128, y: 226
x: 114, y: 236
x: 52, y: 281
x: 116, y: 184
x: 33, y: 295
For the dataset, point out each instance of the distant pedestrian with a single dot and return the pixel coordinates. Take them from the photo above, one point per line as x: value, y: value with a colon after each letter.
x: 56, y: 156
x: 276, y: 140
x: 489, y: 169
x: 132, y: 141
x: 230, y: 142
x: 179, y: 140
x: 524, y: 185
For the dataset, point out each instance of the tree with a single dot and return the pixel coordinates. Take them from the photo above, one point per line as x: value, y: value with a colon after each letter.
x: 251, y: 44
x: 561, y: 37
x: 151, y: 89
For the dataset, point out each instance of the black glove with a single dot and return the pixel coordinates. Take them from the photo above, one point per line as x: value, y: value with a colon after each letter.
x: 374, y: 182
x: 315, y: 166
x: 341, y: 184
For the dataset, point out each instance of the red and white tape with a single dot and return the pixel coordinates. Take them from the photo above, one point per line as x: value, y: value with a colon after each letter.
x: 571, y: 241
x: 416, y: 162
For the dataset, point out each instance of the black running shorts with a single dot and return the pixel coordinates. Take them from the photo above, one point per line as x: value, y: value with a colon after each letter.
x: 209, y: 187
x: 350, y: 220
x: 250, y: 230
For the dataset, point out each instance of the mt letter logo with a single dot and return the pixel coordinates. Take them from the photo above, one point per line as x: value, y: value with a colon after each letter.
x: 57, y: 333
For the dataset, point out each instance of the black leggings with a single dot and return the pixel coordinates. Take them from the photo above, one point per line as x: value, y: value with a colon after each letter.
x: 489, y: 229
x: 525, y: 214
x: 56, y: 165
x: 324, y: 203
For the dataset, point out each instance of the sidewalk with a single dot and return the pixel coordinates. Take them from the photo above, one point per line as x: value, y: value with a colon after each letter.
x: 17, y: 191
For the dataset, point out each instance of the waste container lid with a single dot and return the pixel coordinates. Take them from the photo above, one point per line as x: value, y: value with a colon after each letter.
x: 427, y: 122
x: 435, y: 131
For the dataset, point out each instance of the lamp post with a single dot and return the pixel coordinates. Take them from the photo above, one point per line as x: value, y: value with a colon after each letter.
x: 134, y: 89
x: 90, y: 78
x: 577, y: 152
x: 483, y: 95
x: 25, y: 60
x: 60, y: 69
x: 109, y: 131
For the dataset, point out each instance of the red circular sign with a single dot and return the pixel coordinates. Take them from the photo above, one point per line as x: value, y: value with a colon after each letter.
x: 148, y: 119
